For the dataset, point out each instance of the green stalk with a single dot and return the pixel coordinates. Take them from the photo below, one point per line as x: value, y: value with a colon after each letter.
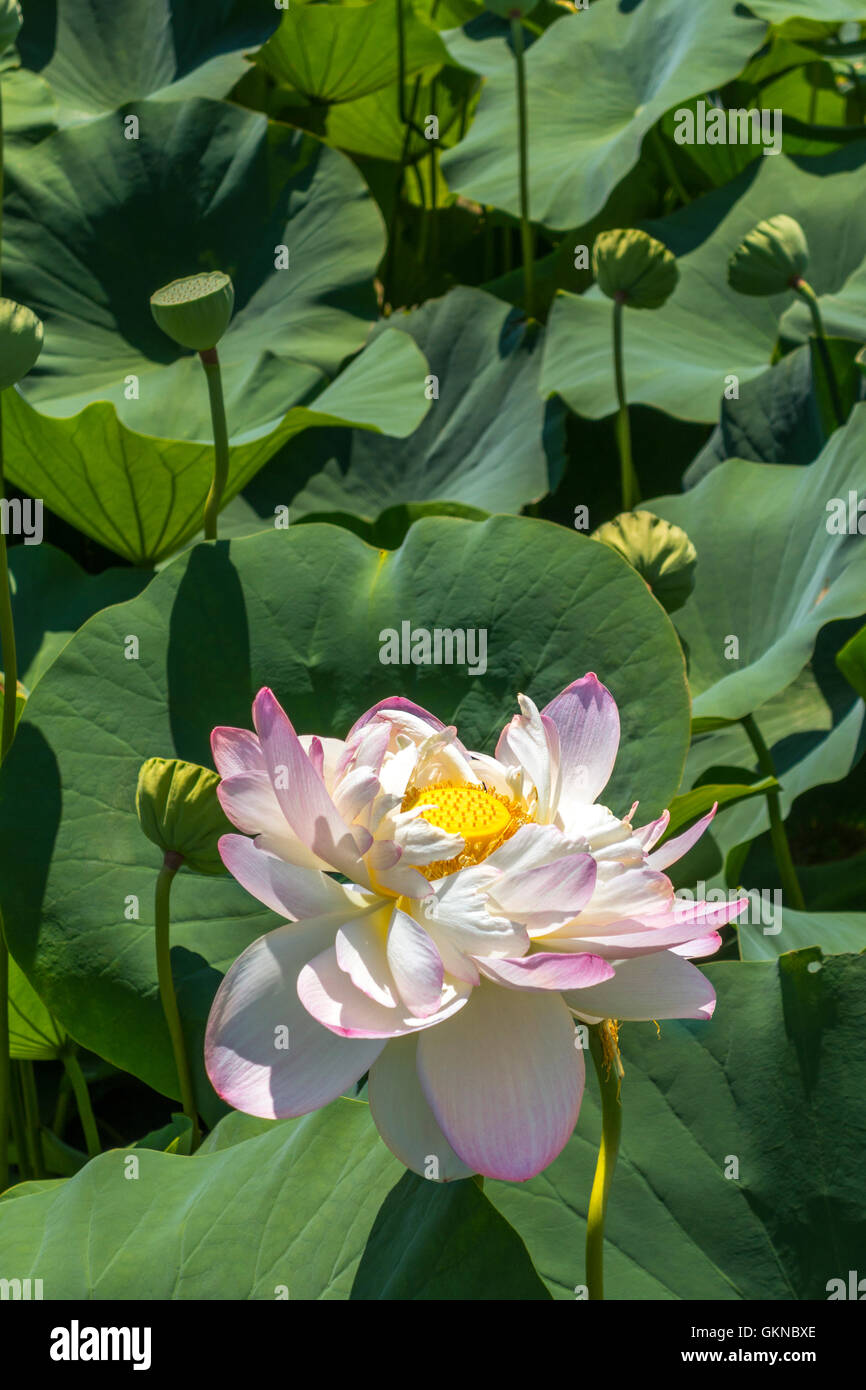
x: 778, y: 836
x: 171, y: 864
x: 5, y: 1065
x: 16, y: 1121
x: 628, y: 477
x: 611, y: 1125
x: 82, y: 1101
x: 526, y: 239
x: 211, y: 363
x: 805, y: 291
x: 31, y: 1117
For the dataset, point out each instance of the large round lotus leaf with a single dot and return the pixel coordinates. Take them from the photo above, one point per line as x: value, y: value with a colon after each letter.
x: 488, y: 440
x: 336, y: 53
x: 300, y: 1209
x: 98, y: 54
x: 765, y: 1081
x: 144, y: 497
x: 597, y: 81
x: 771, y: 570
x: 94, y: 222
x: 682, y: 357
x: 301, y: 611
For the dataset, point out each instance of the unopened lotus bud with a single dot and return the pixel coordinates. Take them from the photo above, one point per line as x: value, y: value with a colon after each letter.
x: 195, y: 311
x: 771, y: 259
x: 662, y: 554
x: 10, y: 22
x: 179, y: 810
x: 635, y: 268
x: 20, y: 341
x: 510, y: 9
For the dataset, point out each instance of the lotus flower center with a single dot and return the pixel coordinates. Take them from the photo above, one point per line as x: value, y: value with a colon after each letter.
x: 483, y: 818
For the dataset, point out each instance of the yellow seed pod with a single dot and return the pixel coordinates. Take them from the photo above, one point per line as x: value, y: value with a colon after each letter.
x: 195, y: 311
x: 20, y: 341
x: 662, y: 554
x: 178, y: 809
x: 632, y: 266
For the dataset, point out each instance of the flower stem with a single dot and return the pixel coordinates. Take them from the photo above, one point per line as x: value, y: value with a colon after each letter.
x: 171, y: 864
x: 781, y: 848
x: 211, y: 363
x: 31, y: 1117
x: 5, y: 1065
x: 526, y: 239
x: 628, y: 476
x: 82, y: 1101
x: 805, y: 291
x: 600, y: 1037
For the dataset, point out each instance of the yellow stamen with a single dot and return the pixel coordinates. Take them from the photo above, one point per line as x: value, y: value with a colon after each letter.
x: 483, y: 819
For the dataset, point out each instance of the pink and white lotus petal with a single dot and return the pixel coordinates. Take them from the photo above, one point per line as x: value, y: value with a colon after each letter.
x: 416, y: 965
x: 461, y: 913
x: 548, y: 897
x: 700, y: 947
x: 674, y: 849
x: 403, y: 1117
x: 504, y: 1080
x: 649, y: 834
x: 397, y: 705
x: 388, y: 874
x: 256, y: 1002
x: 331, y: 997
x: 531, y: 742
x: 360, y: 951
x: 662, y: 985
x: 301, y: 793
x: 547, y: 970
x: 285, y: 888
x: 236, y: 750
x: 587, y: 721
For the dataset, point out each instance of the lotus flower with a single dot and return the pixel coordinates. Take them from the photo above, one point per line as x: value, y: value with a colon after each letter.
x: 488, y: 903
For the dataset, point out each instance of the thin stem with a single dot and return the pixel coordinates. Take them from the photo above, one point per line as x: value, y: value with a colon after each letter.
x: 31, y: 1117
x: 603, y: 1046
x: 526, y: 239
x: 211, y: 363
x: 781, y: 848
x: 170, y: 867
x: 805, y: 291
x: 64, y: 1092
x: 16, y: 1120
x: 82, y: 1101
x: 628, y: 477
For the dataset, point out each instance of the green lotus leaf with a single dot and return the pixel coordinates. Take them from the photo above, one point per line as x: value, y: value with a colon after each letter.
x: 301, y: 611
x: 634, y: 62
x: 98, y: 54
x: 337, y: 53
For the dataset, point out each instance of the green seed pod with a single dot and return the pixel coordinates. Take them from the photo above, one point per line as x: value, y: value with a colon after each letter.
x: 10, y: 22
x: 195, y: 311
x: 510, y: 9
x: 771, y: 259
x: 633, y: 266
x: 662, y: 554
x: 20, y: 341
x: 179, y: 810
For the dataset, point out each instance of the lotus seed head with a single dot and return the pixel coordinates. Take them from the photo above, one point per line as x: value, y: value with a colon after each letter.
x: 20, y: 341
x: 195, y: 311
x: 771, y: 259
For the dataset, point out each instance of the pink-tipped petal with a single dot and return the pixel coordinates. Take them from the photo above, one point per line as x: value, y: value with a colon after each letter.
x: 331, y: 997
x: 360, y: 948
x: 301, y: 793
x: 285, y: 888
x: 404, y: 1119
x: 662, y: 985
x: 702, y: 946
x: 545, y: 898
x: 648, y: 835
x: 674, y: 849
x: 236, y: 750
x: 547, y: 970
x: 264, y: 1053
x: 399, y: 704
x: 504, y: 1080
x: 416, y: 965
x: 587, y: 720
